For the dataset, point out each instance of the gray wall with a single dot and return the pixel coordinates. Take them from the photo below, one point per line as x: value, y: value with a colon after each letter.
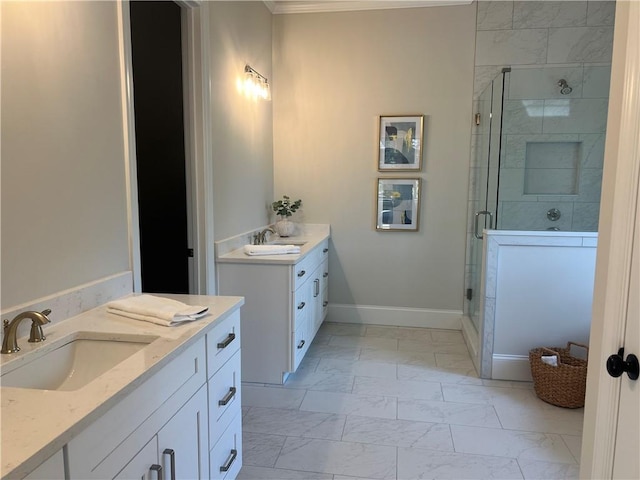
x: 334, y: 74
x: 242, y: 133
x: 64, y: 217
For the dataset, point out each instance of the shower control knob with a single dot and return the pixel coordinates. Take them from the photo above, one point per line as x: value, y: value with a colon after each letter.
x: 616, y: 365
x: 553, y: 214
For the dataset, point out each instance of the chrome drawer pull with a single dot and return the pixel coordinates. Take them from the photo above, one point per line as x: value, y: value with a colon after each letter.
x: 158, y: 469
x: 316, y: 285
x: 227, y: 398
x: 301, y: 306
x: 230, y: 460
x: 230, y: 338
x: 301, y: 273
x: 325, y: 303
x: 172, y: 455
x: 325, y: 250
x: 301, y: 344
x: 325, y: 274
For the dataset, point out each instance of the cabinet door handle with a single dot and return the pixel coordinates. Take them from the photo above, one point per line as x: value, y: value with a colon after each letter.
x: 227, y: 398
x: 325, y: 274
x: 301, y: 273
x: 325, y: 303
x: 230, y: 460
x: 158, y: 469
x: 316, y: 285
x: 301, y: 344
x: 172, y: 458
x: 230, y: 338
x: 301, y: 306
x: 325, y: 250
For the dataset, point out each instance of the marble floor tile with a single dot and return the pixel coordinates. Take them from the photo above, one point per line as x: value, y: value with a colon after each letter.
x: 454, y: 360
x: 400, y: 333
x: 534, y: 415
x: 399, y: 433
x: 342, y: 458
x: 362, y: 368
x: 332, y: 328
x: 547, y: 447
x: 292, y: 423
x: 350, y: 404
x: 448, y: 412
x: 308, y: 362
x: 260, y: 449
x: 276, y: 397
x: 447, y: 337
x: 536, y: 470
x: 407, y: 358
x: 423, y: 373
x: 264, y: 473
x: 574, y: 443
x: 332, y: 351
x: 421, y: 463
x: 310, y: 380
x: 379, y: 343
x: 398, y: 388
x: 507, y: 384
x: 432, y: 347
x: 485, y: 395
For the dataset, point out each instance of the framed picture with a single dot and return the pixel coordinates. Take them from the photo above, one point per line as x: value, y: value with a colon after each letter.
x: 397, y: 204
x: 400, y: 140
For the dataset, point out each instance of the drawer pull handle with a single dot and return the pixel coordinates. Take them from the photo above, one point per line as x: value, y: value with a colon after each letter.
x: 325, y: 250
x: 316, y: 285
x: 301, y: 273
x: 172, y: 455
x: 230, y: 460
x: 301, y: 306
x: 230, y: 338
x: 301, y: 344
x: 325, y: 274
x: 325, y: 303
x: 227, y: 398
x: 158, y: 469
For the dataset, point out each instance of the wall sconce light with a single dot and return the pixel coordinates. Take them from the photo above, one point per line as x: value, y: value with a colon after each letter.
x: 255, y: 85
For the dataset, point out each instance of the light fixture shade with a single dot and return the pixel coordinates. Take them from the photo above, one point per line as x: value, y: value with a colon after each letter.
x: 255, y: 85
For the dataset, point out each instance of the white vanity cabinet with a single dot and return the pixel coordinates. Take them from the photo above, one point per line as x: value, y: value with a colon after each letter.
x: 285, y: 304
x: 163, y: 430
x: 50, y: 469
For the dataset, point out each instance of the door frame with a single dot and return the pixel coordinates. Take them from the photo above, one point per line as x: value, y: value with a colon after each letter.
x: 197, y: 121
x: 615, y: 244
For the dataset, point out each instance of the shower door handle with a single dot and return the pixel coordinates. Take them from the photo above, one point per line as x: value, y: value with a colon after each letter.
x: 477, y: 234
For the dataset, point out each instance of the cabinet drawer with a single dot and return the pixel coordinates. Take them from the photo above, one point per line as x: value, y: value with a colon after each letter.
x: 226, y: 456
x: 303, y: 269
x: 223, y: 341
x: 224, y: 397
x: 301, y: 306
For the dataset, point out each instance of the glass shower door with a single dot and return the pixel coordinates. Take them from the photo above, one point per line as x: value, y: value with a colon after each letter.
x: 485, y: 185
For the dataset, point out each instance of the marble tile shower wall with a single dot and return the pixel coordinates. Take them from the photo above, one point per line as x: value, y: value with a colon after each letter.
x: 544, y: 41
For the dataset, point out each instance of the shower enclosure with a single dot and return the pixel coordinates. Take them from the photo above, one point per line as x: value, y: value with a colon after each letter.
x: 538, y: 158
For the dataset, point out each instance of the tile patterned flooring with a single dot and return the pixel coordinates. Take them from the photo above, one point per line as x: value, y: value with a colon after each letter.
x: 374, y: 402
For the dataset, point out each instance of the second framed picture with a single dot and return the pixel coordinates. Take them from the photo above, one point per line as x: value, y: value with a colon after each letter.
x: 397, y: 204
x: 400, y: 140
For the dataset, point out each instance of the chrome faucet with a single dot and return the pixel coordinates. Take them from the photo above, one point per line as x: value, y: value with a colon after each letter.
x: 263, y: 235
x: 10, y: 343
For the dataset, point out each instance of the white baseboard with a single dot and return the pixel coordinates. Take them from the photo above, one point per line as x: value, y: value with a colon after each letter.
x: 511, y: 367
x: 395, y: 316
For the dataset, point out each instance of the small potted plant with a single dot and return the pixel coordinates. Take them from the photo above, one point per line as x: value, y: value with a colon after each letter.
x: 285, y: 208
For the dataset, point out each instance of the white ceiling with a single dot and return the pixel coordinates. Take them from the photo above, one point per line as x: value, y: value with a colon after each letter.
x: 294, y: 6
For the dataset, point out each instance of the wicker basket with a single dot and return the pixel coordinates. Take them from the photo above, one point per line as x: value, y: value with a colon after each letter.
x: 563, y: 385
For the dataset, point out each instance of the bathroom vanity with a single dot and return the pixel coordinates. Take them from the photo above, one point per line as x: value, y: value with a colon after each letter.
x: 171, y: 409
x: 286, y: 302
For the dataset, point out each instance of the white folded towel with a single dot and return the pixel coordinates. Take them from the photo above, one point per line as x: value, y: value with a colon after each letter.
x: 270, y: 249
x: 158, y: 310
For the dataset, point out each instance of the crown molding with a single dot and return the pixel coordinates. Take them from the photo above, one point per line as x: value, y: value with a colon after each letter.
x: 318, y: 6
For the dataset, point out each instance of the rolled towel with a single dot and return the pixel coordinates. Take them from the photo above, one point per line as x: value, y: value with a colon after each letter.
x: 158, y: 310
x: 271, y: 249
x: 550, y: 360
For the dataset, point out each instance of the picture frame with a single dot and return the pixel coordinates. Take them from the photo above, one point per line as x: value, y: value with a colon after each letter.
x: 400, y: 140
x: 398, y: 204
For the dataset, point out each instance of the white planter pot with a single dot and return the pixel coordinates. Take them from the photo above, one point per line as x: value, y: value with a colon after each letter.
x: 285, y: 227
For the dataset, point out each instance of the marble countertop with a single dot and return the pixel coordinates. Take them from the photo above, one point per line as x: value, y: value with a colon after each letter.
x: 310, y: 236
x: 37, y: 423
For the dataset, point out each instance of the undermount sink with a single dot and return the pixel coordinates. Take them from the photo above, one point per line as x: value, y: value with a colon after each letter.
x: 73, y: 362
